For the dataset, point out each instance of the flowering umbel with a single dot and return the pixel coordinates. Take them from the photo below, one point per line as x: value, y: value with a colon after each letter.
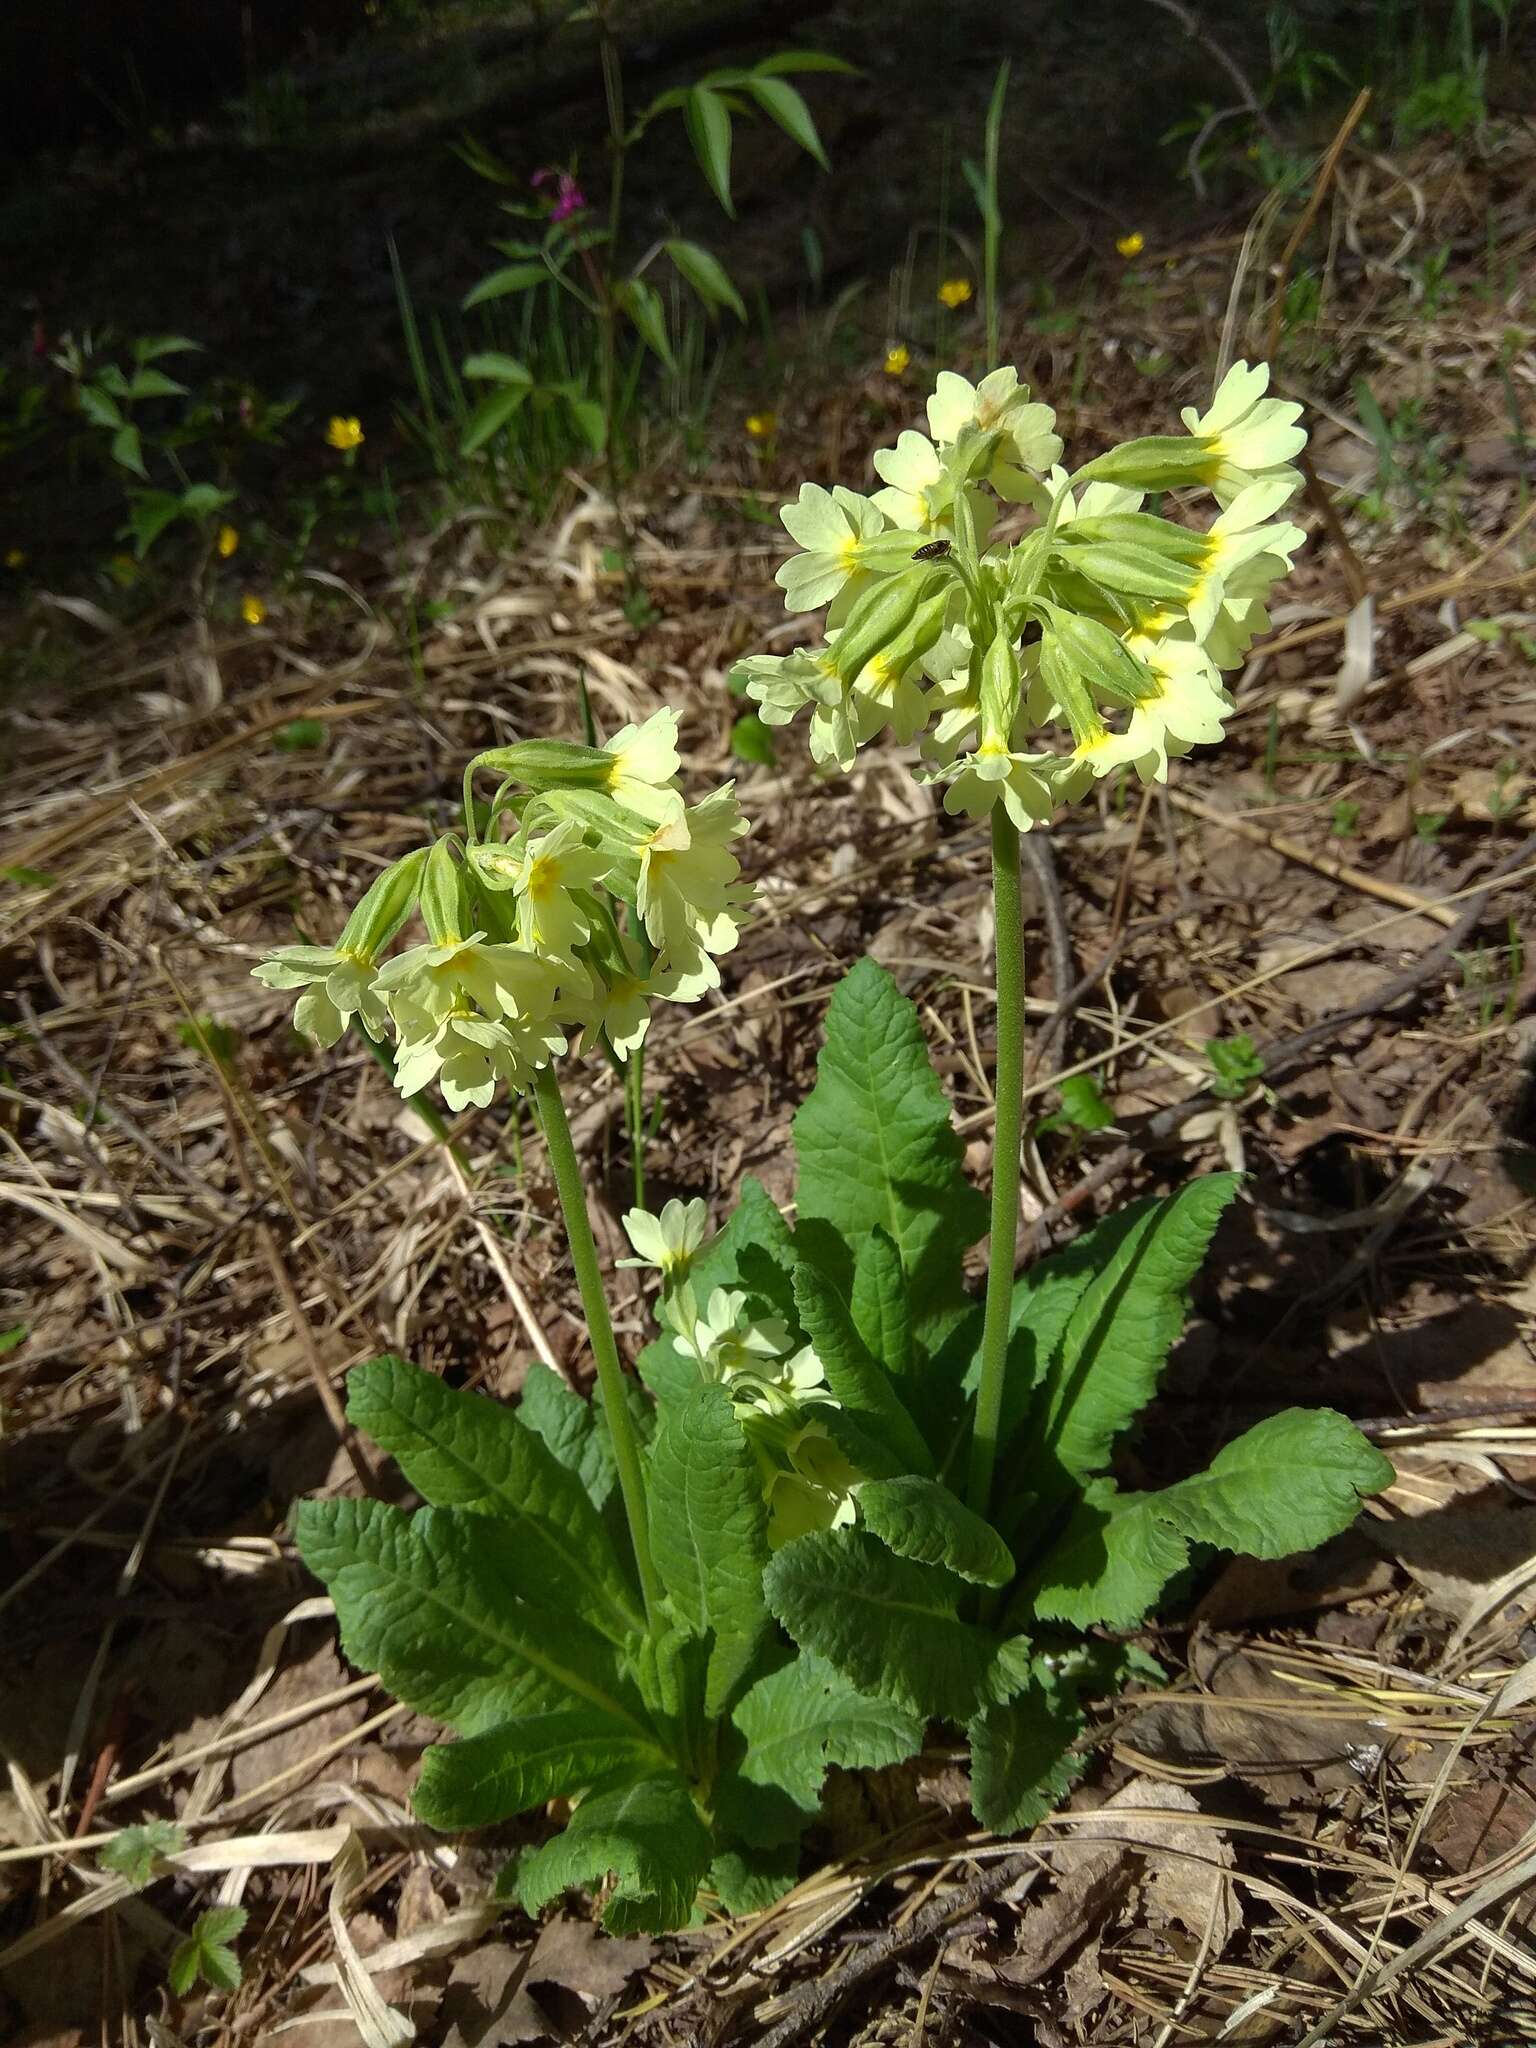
x: 588, y: 891
x: 1094, y: 640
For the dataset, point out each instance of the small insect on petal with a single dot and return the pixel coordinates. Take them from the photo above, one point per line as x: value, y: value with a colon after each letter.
x: 932, y: 551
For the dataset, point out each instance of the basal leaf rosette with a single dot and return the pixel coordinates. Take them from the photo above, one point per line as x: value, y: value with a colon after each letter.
x: 589, y: 890
x: 1109, y: 627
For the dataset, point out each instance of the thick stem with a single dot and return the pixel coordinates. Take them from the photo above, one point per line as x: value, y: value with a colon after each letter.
x: 1009, y: 1105
x: 610, y: 1374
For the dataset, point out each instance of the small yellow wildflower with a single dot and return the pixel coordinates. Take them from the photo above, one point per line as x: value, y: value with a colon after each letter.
x: 15, y: 558
x: 897, y: 359
x: 955, y: 291
x: 1130, y: 245
x: 344, y: 434
x: 252, y: 610
x: 762, y: 425
x: 228, y: 541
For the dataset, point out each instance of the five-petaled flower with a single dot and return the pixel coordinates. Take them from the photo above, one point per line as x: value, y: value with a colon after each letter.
x: 954, y: 291
x: 228, y: 541
x: 252, y: 610
x: 897, y: 359
x: 1130, y: 245
x: 344, y: 433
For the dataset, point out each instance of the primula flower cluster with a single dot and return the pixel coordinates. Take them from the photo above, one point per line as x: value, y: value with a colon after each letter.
x: 780, y: 1394
x: 1093, y: 640
x: 593, y: 890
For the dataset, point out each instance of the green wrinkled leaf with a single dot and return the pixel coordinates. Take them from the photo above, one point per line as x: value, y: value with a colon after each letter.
x: 646, y: 1835
x: 577, y: 1430
x: 747, y: 1880
x: 1121, y: 1329
x: 707, y: 274
x: 878, y: 1302
x: 797, y: 1723
x: 463, y: 1450
x: 863, y: 1388
x: 1284, y: 1486
x: 709, y: 1532
x: 877, y: 1147
x: 890, y: 1627
x: 509, y: 1769
x: 922, y: 1520
x: 426, y: 1600
x: 1108, y: 1565
x: 1020, y: 1765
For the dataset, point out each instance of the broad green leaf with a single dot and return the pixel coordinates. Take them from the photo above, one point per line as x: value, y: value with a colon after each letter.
x: 500, y: 368
x: 783, y: 105
x: 876, y: 1145
x: 708, y: 121
x: 878, y: 1302
x: 747, y: 1880
x: 1120, y: 1331
x: 128, y: 452
x: 149, y: 514
x: 645, y: 1834
x: 149, y: 347
x: 591, y: 421
x: 1286, y: 1485
x: 465, y: 1451
x: 154, y: 384
x: 804, y: 60
x: 1109, y: 1564
x: 572, y: 1428
x: 797, y: 1722
x: 426, y: 1601
x: 707, y: 274
x: 99, y: 406
x: 642, y: 302
x: 490, y: 416
x: 921, y: 1520
x: 198, y: 500
x: 890, y: 1627
x: 709, y: 1532
x: 1021, y: 1766
x: 753, y: 741
x: 498, y: 284
x: 863, y: 1388
x: 521, y: 1764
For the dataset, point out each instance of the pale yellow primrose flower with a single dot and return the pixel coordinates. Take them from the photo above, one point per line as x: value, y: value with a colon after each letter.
x: 998, y: 404
x: 644, y: 763
x: 917, y: 493
x: 688, y: 896
x: 621, y: 1008
x: 830, y: 526
x: 781, y: 685
x: 549, y: 869
x: 670, y: 1241
x: 338, y: 985
x: 1240, y: 535
x: 1188, y: 709
x: 468, y: 1056
x: 435, y: 981
x: 724, y: 1340
x: 1248, y: 436
x: 816, y: 1492
x: 994, y: 773
x: 884, y: 695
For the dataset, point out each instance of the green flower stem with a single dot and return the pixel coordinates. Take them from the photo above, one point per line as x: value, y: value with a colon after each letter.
x: 610, y: 1374
x: 1005, y: 1155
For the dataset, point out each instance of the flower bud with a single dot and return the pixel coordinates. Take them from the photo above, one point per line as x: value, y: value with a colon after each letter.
x: 1125, y: 566
x: 384, y: 908
x: 1099, y: 657
x: 1000, y: 690
x: 1159, y: 462
x: 444, y: 901
x: 879, y: 616
x: 548, y: 764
